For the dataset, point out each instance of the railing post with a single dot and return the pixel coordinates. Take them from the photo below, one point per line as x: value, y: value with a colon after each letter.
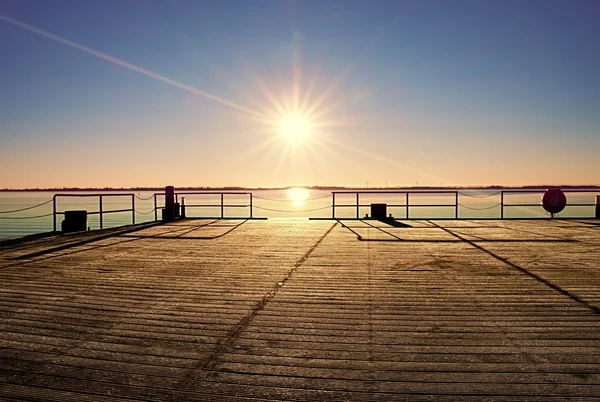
x: 250, y: 205
x: 101, y: 221
x: 221, y: 205
x: 169, y: 203
x: 357, y: 206
x: 333, y: 205
x: 155, y: 209
x: 132, y: 209
x: 407, y: 202
x: 456, y: 205
x: 501, y: 204
x: 54, y: 213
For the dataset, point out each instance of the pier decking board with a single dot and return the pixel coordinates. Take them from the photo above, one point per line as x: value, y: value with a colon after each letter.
x: 304, y: 310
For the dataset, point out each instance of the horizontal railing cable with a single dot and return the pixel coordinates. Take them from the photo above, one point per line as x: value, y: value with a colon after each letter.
x: 480, y: 195
x: 288, y: 200
x: 143, y: 199
x: 479, y: 209
x: 292, y: 211
x: 27, y: 208
x: 26, y: 217
x: 145, y: 213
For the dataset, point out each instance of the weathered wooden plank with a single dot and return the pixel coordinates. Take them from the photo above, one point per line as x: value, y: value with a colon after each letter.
x: 298, y: 310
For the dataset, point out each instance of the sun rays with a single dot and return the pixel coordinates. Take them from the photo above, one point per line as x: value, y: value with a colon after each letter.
x: 299, y: 113
x: 298, y: 118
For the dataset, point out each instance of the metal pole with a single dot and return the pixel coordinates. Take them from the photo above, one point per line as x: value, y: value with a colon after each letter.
x: 250, y: 205
x: 456, y: 205
x: 132, y: 209
x: 407, y: 205
x: 101, y: 221
x: 169, y: 203
x: 155, y: 209
x: 501, y: 204
x: 357, y: 206
x: 54, y: 213
x: 333, y: 206
x: 221, y: 205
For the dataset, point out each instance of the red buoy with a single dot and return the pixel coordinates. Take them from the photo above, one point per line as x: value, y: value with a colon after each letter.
x: 554, y: 200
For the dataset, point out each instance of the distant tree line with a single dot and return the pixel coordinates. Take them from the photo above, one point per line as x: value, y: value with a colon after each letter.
x: 236, y: 188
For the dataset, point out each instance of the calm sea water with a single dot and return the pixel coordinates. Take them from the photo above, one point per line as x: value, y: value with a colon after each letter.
x: 271, y: 204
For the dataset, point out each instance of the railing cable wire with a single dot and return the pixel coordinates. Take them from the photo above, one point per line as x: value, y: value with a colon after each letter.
x: 143, y: 199
x: 479, y: 209
x: 26, y: 217
x: 291, y: 211
x: 145, y: 213
x: 288, y: 200
x: 478, y: 196
x: 26, y: 209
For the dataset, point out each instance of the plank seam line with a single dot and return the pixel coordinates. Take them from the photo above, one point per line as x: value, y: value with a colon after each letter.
x: 525, y: 271
x: 260, y: 305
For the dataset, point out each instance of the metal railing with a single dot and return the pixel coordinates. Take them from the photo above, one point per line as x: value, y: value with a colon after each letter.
x: 407, y: 205
x: 503, y: 194
x: 455, y: 205
x: 101, y: 212
x: 221, y: 205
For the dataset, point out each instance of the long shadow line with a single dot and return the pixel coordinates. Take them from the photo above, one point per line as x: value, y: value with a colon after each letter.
x: 232, y: 335
x: 178, y: 237
x: 64, y: 254
x: 525, y: 271
x: 358, y: 236
x: 474, y: 241
x: 55, y: 240
x: 538, y: 234
x: 197, y: 227
x: 87, y: 241
x: 6, y: 245
x: 470, y: 235
x: 481, y: 240
x: 384, y: 231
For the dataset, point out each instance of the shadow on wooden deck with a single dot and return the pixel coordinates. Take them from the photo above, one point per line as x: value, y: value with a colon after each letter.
x: 304, y: 311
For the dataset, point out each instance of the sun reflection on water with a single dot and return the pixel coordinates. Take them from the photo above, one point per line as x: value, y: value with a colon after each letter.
x: 298, y: 195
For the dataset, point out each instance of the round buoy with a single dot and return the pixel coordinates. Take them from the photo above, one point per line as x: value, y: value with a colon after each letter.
x: 554, y: 200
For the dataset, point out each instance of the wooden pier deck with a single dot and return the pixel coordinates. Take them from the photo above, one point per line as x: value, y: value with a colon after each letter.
x: 303, y: 310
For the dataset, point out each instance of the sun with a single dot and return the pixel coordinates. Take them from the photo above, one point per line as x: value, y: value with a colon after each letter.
x: 295, y: 127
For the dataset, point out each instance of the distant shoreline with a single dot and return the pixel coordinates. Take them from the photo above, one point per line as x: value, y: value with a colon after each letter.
x: 325, y: 188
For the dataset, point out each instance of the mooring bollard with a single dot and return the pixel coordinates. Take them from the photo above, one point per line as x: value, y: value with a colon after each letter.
x: 75, y: 221
x: 379, y: 211
x: 169, y: 213
x: 598, y: 207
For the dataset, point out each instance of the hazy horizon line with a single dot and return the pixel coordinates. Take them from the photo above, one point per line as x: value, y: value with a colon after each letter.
x: 312, y: 187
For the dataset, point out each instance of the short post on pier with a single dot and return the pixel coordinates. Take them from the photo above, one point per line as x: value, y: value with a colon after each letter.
x: 169, y: 213
x: 598, y: 207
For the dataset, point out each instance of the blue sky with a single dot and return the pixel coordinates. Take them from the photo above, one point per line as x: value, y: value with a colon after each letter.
x: 428, y: 92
